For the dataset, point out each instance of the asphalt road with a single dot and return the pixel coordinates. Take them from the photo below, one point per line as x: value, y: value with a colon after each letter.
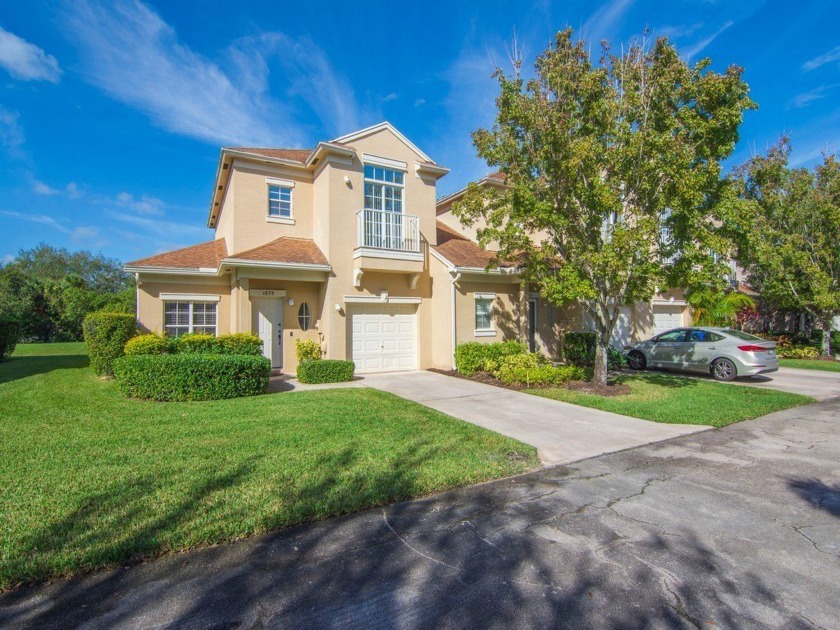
x: 737, y: 527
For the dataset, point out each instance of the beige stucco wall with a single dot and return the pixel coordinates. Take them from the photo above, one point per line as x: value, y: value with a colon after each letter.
x: 150, y: 305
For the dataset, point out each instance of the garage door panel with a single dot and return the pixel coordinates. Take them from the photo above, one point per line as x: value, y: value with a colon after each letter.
x: 383, y: 337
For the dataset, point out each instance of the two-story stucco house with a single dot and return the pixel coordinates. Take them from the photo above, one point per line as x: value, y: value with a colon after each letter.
x: 346, y: 244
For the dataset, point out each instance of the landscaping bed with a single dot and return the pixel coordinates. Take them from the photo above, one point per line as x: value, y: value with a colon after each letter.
x: 90, y: 479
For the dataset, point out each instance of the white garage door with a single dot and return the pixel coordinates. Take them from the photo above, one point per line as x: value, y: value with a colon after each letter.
x: 666, y: 318
x: 621, y: 333
x: 383, y: 337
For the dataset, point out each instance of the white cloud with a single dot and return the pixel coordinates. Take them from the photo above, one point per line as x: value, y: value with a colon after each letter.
x: 676, y: 31
x: 805, y: 98
x: 43, y: 189
x: 26, y: 61
x: 419, y: 102
x: 78, y: 233
x: 11, y: 133
x: 73, y: 191
x: 602, y: 23
x: 132, y: 54
x: 187, y: 231
x: 821, y: 60
x: 8, y: 258
x: 392, y: 96
x: 144, y: 205
x: 689, y: 51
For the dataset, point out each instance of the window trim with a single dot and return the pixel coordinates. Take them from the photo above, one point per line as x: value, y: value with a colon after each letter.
x: 281, y: 184
x: 192, y: 301
x: 489, y: 331
x: 308, y: 315
x: 379, y: 163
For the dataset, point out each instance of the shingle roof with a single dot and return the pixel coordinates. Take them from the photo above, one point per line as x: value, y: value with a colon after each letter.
x: 286, y: 249
x: 296, y: 155
x: 461, y: 251
x: 204, y: 255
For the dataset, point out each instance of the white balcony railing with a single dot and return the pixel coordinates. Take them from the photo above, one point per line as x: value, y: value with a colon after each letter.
x: 394, y: 231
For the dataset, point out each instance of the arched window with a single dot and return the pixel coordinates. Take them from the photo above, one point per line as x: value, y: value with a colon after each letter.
x: 304, y: 316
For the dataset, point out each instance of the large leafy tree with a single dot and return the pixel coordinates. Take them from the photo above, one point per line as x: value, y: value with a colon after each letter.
x: 49, y: 291
x: 603, y: 157
x: 791, y: 238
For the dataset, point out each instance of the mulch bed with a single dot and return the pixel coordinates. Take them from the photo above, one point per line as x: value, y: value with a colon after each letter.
x: 581, y: 386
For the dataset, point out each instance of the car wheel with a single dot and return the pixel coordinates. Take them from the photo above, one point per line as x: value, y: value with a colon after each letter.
x: 724, y: 370
x: 636, y: 360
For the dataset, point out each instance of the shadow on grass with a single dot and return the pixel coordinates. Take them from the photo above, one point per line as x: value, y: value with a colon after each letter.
x: 662, y: 379
x: 818, y: 493
x: 461, y: 559
x: 15, y: 368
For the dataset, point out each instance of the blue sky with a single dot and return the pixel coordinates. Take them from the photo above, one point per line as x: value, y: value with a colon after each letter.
x: 112, y: 113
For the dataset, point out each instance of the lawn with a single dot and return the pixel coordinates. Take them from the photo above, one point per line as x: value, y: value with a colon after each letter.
x: 678, y: 400
x: 89, y: 479
x: 811, y: 364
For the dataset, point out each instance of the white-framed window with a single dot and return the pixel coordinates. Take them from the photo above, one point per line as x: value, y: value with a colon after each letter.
x: 484, y: 313
x: 181, y: 317
x: 304, y: 316
x: 384, y: 188
x: 279, y: 201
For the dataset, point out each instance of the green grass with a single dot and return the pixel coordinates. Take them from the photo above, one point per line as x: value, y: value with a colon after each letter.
x: 63, y: 348
x: 811, y: 364
x: 677, y: 400
x: 90, y: 479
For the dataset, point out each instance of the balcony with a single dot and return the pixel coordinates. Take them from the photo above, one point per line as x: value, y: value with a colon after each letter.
x: 387, y: 241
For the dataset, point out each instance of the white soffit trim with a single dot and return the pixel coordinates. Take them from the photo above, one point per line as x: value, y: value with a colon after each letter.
x: 442, y: 259
x: 367, y: 158
x: 287, y: 183
x: 244, y: 262
x: 379, y: 127
x: 660, y: 302
x: 203, y: 271
x: 378, y: 299
x: 485, y: 296
x: 190, y: 297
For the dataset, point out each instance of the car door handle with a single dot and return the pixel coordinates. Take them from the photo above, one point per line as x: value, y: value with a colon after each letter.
x: 712, y: 347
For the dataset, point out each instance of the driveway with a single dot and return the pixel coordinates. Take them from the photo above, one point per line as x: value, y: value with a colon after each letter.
x: 561, y: 432
x: 817, y: 383
x: 733, y: 528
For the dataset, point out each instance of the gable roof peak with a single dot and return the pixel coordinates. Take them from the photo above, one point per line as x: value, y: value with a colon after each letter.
x: 367, y: 131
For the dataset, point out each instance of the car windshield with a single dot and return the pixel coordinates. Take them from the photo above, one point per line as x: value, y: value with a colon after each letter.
x: 742, y: 335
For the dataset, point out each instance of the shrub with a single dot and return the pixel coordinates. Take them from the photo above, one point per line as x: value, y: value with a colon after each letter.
x: 797, y: 352
x: 325, y: 371
x: 196, y: 343
x: 579, y: 350
x: 239, y: 343
x: 9, y: 332
x: 534, y: 369
x: 151, y: 343
x: 191, y: 376
x: 105, y: 336
x: 472, y: 357
x: 307, y: 350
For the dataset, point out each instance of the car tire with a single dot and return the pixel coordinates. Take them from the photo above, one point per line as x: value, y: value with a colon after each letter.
x: 636, y: 360
x: 724, y: 370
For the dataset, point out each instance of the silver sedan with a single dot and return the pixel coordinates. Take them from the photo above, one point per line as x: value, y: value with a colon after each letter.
x: 722, y: 352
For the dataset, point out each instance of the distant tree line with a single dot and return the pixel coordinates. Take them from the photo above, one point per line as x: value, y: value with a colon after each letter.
x: 48, y: 291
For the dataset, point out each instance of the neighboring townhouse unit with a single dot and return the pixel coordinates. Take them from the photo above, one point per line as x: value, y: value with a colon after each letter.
x: 346, y: 244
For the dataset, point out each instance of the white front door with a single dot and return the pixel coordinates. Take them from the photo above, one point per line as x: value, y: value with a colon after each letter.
x: 269, y: 326
x: 666, y: 318
x: 383, y: 337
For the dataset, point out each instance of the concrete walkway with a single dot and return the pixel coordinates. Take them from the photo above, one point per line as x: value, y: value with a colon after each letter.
x: 562, y: 432
x: 819, y: 384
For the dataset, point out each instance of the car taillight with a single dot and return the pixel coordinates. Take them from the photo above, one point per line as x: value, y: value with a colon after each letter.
x: 752, y: 348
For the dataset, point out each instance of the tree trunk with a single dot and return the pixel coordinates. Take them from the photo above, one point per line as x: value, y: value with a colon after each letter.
x: 602, y: 345
x: 826, y: 337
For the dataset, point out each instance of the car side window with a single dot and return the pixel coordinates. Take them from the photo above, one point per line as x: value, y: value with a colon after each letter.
x: 703, y: 336
x: 672, y: 335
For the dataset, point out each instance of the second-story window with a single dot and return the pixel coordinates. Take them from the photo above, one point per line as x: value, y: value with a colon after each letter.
x: 279, y: 201
x: 383, y: 188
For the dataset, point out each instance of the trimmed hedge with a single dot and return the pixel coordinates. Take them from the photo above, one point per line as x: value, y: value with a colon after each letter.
x: 797, y: 352
x: 326, y: 371
x: 472, y: 357
x: 307, y: 350
x: 105, y: 336
x: 533, y: 368
x: 179, y: 377
x: 200, y: 343
x: 151, y: 343
x: 579, y: 350
x: 9, y: 332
